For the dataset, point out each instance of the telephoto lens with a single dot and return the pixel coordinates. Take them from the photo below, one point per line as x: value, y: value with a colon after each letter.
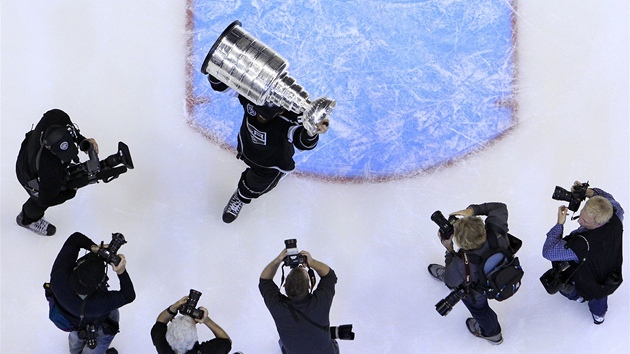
x: 190, y: 307
x: 444, y: 306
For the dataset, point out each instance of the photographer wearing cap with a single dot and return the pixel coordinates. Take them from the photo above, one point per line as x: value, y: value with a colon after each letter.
x: 470, y: 233
x: 180, y: 335
x: 42, y: 168
x: 267, y: 141
x: 302, y: 317
x: 79, y: 288
x: 592, y: 253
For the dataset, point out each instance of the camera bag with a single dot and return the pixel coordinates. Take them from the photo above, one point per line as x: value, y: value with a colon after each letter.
x: 501, y: 271
x: 56, y: 314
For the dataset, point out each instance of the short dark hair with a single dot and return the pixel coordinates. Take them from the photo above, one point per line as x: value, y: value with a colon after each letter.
x: 297, y: 284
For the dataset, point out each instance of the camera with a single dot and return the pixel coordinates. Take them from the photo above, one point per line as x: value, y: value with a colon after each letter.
x: 89, y: 335
x: 574, y: 197
x: 110, y: 254
x: 190, y: 307
x: 555, y: 278
x: 93, y: 170
x: 343, y: 332
x: 445, y: 225
x: 444, y: 306
x: 293, y: 257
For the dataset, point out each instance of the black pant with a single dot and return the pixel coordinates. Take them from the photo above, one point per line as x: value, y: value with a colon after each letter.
x: 34, y: 209
x: 256, y: 181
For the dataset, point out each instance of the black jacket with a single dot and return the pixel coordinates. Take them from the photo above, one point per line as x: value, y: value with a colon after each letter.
x: 600, y: 255
x: 100, y: 303
x: 52, y: 173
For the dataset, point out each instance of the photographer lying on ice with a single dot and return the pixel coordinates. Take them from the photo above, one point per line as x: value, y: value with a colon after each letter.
x: 587, y: 262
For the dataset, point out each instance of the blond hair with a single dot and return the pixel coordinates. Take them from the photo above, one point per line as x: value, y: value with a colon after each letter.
x: 599, y: 208
x: 470, y: 232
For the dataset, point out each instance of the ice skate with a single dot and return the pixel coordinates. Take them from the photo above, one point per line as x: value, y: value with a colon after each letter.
x: 232, y: 209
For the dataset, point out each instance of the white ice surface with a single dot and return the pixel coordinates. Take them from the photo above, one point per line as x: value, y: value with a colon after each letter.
x: 118, y: 69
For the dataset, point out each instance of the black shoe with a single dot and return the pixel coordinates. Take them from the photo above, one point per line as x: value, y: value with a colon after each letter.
x: 232, y: 209
x: 111, y: 351
x: 40, y: 227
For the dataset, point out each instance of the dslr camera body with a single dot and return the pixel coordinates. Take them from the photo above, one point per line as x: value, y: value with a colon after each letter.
x: 93, y: 170
x: 445, y: 225
x: 574, y: 197
x: 190, y: 307
x: 293, y: 257
x: 110, y: 254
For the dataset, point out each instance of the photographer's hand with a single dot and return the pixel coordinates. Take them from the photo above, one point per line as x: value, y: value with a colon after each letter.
x: 562, y: 214
x: 271, y: 268
x: 170, y: 312
x: 464, y: 212
x: 321, y: 268
x: 205, y: 315
x: 589, y: 192
x: 447, y: 243
x: 94, y: 144
x: 120, y: 268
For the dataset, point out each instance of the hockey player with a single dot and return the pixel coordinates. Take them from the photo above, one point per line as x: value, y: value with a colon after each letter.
x: 267, y: 141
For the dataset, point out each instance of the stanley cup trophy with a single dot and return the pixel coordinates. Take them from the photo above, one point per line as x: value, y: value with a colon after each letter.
x: 257, y: 72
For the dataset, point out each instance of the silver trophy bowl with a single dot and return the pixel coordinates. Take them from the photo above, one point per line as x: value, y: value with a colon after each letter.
x: 257, y: 72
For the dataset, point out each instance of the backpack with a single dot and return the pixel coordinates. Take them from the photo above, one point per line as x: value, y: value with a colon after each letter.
x: 55, y: 313
x: 501, y: 273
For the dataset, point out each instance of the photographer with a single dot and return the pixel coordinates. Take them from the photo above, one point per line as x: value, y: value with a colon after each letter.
x: 301, y: 317
x: 79, y: 287
x: 180, y: 336
x: 267, y: 141
x: 470, y: 232
x: 593, y: 251
x: 42, y: 168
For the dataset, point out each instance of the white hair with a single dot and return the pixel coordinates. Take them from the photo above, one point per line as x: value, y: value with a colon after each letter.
x: 181, y: 334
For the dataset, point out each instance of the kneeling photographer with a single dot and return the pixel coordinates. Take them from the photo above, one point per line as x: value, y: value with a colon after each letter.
x: 586, y: 264
x: 78, y: 297
x: 48, y: 167
x: 470, y: 232
x: 302, y: 317
x: 178, y: 334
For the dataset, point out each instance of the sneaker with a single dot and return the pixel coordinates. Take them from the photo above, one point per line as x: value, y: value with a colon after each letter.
x: 580, y: 299
x: 111, y: 351
x: 233, y: 207
x: 597, y: 319
x: 473, y: 327
x: 40, y: 227
x: 437, y: 272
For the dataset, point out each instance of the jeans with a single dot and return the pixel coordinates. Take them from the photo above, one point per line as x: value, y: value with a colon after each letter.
x: 77, y: 346
x: 598, y: 307
x: 481, y: 311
